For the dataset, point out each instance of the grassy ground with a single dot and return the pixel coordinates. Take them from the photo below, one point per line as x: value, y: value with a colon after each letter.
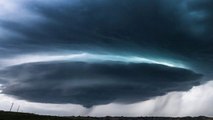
x: 26, y: 116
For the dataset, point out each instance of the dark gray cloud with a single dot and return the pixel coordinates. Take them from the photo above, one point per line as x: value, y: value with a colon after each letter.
x: 170, y: 29
x: 91, y: 84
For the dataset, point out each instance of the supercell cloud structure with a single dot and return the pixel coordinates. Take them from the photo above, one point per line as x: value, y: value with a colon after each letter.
x: 100, y: 52
x: 91, y: 84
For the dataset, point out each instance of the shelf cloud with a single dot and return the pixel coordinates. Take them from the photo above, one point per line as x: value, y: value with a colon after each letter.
x: 91, y: 84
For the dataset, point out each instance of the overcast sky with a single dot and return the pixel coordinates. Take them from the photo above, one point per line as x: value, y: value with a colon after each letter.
x: 107, y: 57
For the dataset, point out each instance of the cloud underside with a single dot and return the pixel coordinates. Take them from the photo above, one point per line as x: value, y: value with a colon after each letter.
x: 90, y: 84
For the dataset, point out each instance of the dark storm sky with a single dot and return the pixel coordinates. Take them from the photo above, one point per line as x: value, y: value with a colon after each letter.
x: 95, y: 52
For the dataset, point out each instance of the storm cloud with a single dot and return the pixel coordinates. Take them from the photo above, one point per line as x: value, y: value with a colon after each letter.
x: 91, y: 84
x: 103, y: 51
x: 150, y: 28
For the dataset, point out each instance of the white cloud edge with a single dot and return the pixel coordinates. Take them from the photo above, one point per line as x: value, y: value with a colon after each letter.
x: 85, y: 57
